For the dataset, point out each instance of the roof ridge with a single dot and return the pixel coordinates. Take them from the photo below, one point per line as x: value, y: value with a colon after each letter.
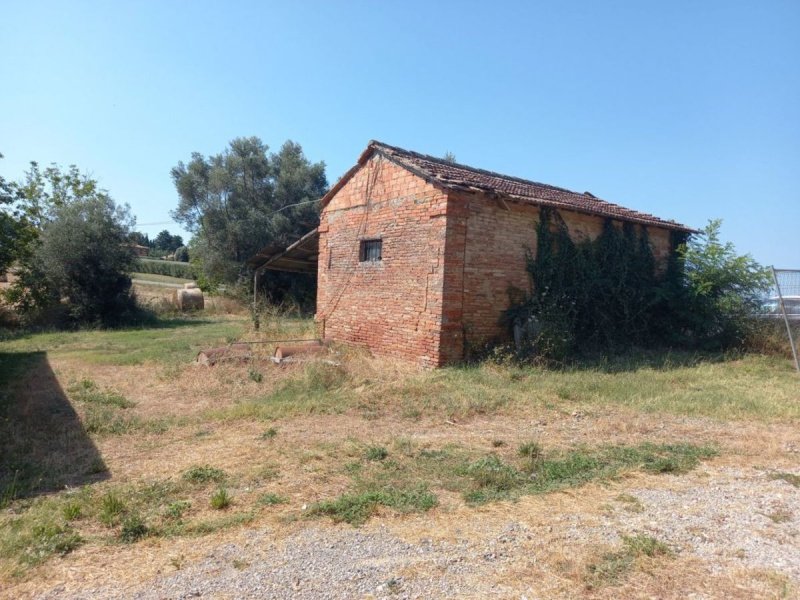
x: 441, y: 161
x: 456, y: 175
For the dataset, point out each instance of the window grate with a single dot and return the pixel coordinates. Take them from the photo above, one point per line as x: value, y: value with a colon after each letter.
x: 371, y: 250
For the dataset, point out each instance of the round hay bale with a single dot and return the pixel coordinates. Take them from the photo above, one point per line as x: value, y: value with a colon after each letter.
x: 188, y: 299
x: 190, y: 286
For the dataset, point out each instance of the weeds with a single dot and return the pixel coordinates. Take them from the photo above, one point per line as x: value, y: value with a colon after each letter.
x: 47, y: 539
x: 789, y: 478
x: 780, y: 515
x: 72, y: 511
x: 220, y: 499
x: 269, y: 433
x: 87, y: 391
x: 133, y: 529
x: 176, y: 510
x: 613, y: 566
x: 631, y: 503
x: 111, y: 507
x: 204, y: 474
x: 357, y: 508
x: 270, y: 499
x: 376, y: 453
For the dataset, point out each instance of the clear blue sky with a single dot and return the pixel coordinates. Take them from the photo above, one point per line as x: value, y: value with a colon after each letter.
x: 689, y: 110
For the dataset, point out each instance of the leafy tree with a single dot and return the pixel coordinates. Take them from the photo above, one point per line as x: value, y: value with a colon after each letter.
x: 142, y: 239
x: 167, y: 242
x: 10, y: 226
x: 724, y: 289
x: 77, y: 253
x: 243, y: 199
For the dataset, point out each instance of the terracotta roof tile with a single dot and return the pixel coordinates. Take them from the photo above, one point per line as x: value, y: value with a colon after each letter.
x: 456, y: 176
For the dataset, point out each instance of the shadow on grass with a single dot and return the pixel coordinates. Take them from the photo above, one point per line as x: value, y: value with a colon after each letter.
x: 43, y: 444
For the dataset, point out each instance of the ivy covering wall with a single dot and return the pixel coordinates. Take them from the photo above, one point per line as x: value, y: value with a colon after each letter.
x: 603, y: 293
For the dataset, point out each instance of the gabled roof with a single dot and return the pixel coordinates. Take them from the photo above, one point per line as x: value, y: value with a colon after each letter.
x: 456, y: 177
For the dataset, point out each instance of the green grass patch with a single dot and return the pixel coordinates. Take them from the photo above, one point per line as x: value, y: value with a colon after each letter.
x: 271, y: 499
x: 87, y: 391
x: 376, y: 453
x: 166, y: 341
x: 133, y: 529
x: 319, y: 388
x: 612, y: 567
x: 721, y: 387
x: 213, y: 525
x: 357, y: 508
x: 480, y: 479
x: 204, y: 474
x: 494, y: 480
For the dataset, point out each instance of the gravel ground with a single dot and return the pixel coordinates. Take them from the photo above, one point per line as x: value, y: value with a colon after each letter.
x: 730, y: 519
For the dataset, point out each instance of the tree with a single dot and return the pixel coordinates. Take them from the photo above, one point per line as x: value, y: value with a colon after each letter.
x: 723, y: 289
x: 243, y: 199
x: 77, y: 253
x: 142, y: 239
x: 167, y: 242
x: 10, y: 226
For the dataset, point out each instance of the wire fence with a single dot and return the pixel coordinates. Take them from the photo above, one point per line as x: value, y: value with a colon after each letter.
x: 785, y: 303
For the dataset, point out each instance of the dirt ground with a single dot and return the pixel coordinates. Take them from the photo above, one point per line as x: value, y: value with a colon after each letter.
x: 730, y: 525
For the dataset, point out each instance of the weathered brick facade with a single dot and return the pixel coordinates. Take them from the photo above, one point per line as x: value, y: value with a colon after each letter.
x: 448, y: 260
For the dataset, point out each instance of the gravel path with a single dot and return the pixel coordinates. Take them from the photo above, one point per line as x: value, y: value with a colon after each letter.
x: 731, y: 519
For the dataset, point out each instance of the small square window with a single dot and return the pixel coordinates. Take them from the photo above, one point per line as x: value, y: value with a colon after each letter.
x: 370, y: 250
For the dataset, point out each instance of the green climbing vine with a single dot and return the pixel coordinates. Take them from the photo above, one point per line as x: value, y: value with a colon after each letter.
x: 593, y: 293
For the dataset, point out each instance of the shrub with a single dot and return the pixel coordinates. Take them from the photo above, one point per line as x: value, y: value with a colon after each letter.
x: 182, y: 254
x: 80, y: 261
x: 220, y: 499
x: 133, y: 529
x: 606, y: 293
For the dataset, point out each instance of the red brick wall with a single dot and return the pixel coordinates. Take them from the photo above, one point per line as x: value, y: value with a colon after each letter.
x: 448, y: 262
x: 494, y: 240
x: 394, y: 306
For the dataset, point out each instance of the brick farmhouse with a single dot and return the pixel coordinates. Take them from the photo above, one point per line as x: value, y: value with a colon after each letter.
x: 415, y: 255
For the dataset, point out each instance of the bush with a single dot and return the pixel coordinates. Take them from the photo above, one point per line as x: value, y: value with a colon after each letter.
x: 80, y: 260
x: 723, y: 290
x: 182, y: 254
x: 606, y: 293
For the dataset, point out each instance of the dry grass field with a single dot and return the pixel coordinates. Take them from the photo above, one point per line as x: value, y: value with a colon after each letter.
x: 125, y: 467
